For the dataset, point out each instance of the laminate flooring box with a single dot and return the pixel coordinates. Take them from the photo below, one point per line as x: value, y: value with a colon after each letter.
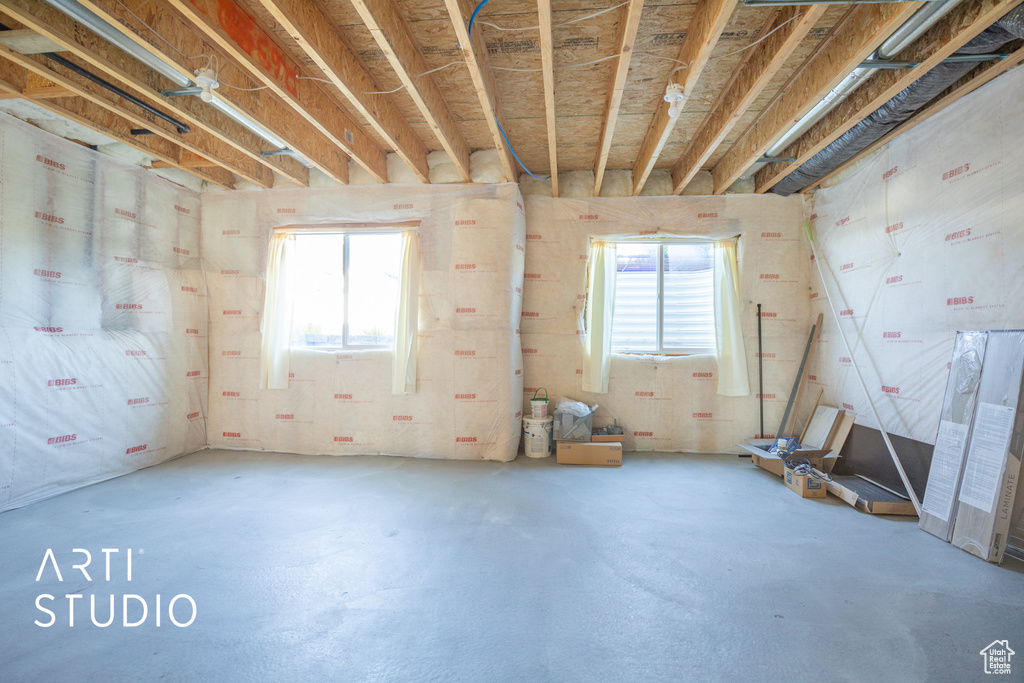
x: 938, y: 509
x: 994, y: 450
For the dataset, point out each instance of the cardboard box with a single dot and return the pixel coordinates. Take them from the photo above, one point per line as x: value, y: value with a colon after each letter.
x: 611, y: 438
x: 579, y: 453
x: 806, y: 485
x: 775, y: 465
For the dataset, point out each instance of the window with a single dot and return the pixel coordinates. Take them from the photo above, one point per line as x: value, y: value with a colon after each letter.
x: 664, y: 298
x: 347, y: 289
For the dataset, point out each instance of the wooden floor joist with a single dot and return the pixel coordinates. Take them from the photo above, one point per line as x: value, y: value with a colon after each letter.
x: 964, y: 86
x: 783, y: 32
x: 320, y: 39
x: 197, y: 141
x: 705, y: 28
x: 547, y: 62
x: 851, y: 41
x: 105, y: 60
x: 629, y: 22
x: 475, y: 56
x: 391, y: 32
x: 960, y: 25
x: 227, y: 25
x: 259, y: 106
x: 13, y: 78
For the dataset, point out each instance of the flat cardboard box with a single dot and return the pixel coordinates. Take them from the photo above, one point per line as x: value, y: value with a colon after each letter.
x: 581, y: 453
x: 775, y: 465
x: 610, y: 438
x: 868, y: 497
x: 805, y: 485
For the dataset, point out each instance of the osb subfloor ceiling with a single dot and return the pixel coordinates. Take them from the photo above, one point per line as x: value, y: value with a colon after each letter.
x: 385, y: 76
x: 579, y: 91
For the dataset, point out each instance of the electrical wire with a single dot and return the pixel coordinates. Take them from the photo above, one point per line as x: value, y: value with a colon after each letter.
x: 156, y: 33
x: 472, y: 18
x: 531, y: 173
x: 564, y: 23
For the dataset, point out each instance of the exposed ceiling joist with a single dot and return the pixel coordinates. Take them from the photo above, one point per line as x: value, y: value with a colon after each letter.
x: 27, y: 42
x: 475, y: 57
x: 629, y: 22
x: 391, y: 32
x: 322, y: 42
x: 260, y: 106
x: 14, y: 78
x: 39, y: 88
x: 103, y: 58
x: 547, y: 63
x: 964, y: 86
x: 197, y: 141
x: 783, y: 32
x: 963, y: 23
x: 252, y: 46
x: 858, y: 33
x: 707, y: 25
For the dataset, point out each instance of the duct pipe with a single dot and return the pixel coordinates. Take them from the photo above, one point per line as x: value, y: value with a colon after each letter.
x: 921, y: 21
x: 903, y: 105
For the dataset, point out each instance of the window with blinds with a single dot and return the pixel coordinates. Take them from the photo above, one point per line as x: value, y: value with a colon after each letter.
x: 663, y: 298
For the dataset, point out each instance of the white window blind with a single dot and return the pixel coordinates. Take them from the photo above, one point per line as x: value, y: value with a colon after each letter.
x: 664, y: 298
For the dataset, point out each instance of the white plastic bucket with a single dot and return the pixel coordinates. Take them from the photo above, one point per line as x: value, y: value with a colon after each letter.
x: 539, y: 408
x: 537, y: 437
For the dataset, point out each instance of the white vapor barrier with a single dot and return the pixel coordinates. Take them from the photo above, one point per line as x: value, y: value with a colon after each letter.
x: 923, y: 240
x: 668, y: 403
x: 103, y: 317
x: 339, y: 402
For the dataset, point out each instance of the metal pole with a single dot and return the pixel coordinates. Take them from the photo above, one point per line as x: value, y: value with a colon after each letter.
x: 878, y: 419
x: 760, y: 372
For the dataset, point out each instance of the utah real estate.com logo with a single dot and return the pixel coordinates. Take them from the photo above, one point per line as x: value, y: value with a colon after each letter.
x: 997, y: 657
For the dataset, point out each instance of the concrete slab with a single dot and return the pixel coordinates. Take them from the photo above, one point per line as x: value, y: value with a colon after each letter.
x: 306, y: 568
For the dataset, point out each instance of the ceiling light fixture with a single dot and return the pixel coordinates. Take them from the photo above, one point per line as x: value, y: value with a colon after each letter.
x: 207, y: 80
x: 674, y: 96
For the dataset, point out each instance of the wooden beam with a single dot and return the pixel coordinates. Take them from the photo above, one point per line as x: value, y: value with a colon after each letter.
x: 949, y: 34
x: 475, y: 56
x: 261, y: 107
x: 391, y: 31
x: 548, y: 73
x: 252, y: 46
x: 39, y: 88
x: 233, y: 145
x: 320, y: 39
x: 629, y: 22
x: 781, y: 34
x: 197, y: 141
x: 94, y: 117
x: 854, y: 37
x: 27, y: 42
x: 187, y: 160
x: 707, y: 25
x: 962, y: 87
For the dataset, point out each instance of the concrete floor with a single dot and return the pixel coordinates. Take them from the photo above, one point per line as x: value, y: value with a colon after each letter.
x: 671, y: 568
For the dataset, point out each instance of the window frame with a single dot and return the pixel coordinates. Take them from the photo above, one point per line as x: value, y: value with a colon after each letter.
x: 346, y: 230
x: 660, y: 349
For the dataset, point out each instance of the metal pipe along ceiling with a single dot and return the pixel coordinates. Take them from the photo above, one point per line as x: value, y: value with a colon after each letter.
x: 902, y: 106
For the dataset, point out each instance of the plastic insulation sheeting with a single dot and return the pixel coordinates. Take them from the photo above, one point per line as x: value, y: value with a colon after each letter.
x: 103, y: 317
